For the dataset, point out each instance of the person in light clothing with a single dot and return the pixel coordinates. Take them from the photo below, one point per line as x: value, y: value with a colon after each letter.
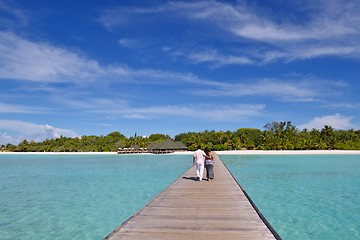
x: 199, y: 160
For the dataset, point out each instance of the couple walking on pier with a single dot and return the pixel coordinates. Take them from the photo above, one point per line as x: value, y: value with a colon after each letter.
x: 204, y: 159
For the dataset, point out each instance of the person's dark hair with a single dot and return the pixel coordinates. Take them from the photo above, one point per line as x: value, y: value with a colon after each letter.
x: 207, y: 150
x: 199, y: 147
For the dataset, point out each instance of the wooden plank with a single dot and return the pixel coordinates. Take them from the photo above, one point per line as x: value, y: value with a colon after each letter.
x: 190, y: 209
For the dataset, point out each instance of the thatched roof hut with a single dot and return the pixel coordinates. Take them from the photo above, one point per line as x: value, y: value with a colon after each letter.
x: 167, y: 146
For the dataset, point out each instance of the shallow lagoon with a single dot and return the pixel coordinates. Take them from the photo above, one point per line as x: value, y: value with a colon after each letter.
x: 79, y: 196
x: 303, y: 196
x: 88, y: 196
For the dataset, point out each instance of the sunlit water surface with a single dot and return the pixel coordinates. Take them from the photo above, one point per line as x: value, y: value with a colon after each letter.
x: 87, y: 196
x: 79, y: 196
x: 303, y: 197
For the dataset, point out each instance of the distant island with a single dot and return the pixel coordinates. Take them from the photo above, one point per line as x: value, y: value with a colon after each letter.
x: 275, y: 136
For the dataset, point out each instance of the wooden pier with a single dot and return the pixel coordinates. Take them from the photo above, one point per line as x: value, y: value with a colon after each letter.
x: 190, y: 209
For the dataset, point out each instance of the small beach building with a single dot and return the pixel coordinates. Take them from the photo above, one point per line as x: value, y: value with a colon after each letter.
x: 132, y: 149
x: 167, y: 146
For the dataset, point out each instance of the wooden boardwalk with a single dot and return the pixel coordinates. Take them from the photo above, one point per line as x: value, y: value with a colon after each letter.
x: 189, y: 209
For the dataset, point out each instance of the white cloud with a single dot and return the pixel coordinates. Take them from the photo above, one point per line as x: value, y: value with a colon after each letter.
x: 135, y: 116
x: 30, y: 131
x: 249, y: 22
x: 129, y: 43
x: 14, y: 108
x: 22, y: 59
x: 54, y: 64
x: 11, y: 16
x: 214, y: 57
x: 343, y: 105
x: 210, y: 112
x: 327, y: 29
x: 57, y: 64
x: 332, y: 29
x: 294, y: 89
x: 5, y: 139
x: 308, y: 51
x: 336, y: 121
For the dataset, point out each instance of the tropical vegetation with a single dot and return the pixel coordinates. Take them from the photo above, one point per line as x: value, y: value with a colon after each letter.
x: 275, y: 136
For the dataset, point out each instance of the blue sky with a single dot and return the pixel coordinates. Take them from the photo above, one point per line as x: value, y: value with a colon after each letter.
x: 86, y: 67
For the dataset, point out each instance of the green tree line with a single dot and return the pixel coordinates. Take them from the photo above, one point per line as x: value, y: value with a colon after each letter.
x: 109, y: 143
x: 275, y: 136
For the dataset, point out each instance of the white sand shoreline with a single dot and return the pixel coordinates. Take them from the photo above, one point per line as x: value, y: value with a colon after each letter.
x: 229, y: 152
x: 279, y: 152
x: 284, y: 152
x: 63, y: 153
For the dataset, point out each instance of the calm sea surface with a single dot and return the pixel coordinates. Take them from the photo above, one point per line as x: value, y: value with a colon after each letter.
x: 79, y: 196
x: 313, y: 197
x: 88, y: 196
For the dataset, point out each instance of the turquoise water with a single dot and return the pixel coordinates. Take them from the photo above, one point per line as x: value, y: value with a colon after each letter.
x: 303, y: 196
x: 87, y: 196
x: 79, y: 196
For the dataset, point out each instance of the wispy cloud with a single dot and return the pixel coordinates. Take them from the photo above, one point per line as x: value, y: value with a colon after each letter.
x: 22, y: 59
x: 30, y: 131
x: 307, y: 51
x: 326, y: 21
x: 54, y: 64
x: 219, y: 112
x: 331, y: 29
x: 235, y: 112
x: 5, y: 138
x: 296, y: 89
x: 14, y: 108
x: 336, y: 121
x: 343, y: 105
x: 11, y: 16
x: 129, y: 43
x: 213, y: 57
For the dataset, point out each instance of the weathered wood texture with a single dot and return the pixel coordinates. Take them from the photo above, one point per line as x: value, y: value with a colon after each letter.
x: 190, y: 209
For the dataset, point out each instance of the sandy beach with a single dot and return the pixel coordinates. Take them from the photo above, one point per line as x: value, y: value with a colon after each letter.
x: 288, y: 152
x: 63, y: 153
x: 230, y: 152
x: 259, y: 152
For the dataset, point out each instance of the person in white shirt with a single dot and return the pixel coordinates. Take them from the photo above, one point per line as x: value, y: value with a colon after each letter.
x: 199, y: 160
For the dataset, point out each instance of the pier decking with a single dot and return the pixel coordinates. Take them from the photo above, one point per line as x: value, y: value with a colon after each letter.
x: 189, y: 209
